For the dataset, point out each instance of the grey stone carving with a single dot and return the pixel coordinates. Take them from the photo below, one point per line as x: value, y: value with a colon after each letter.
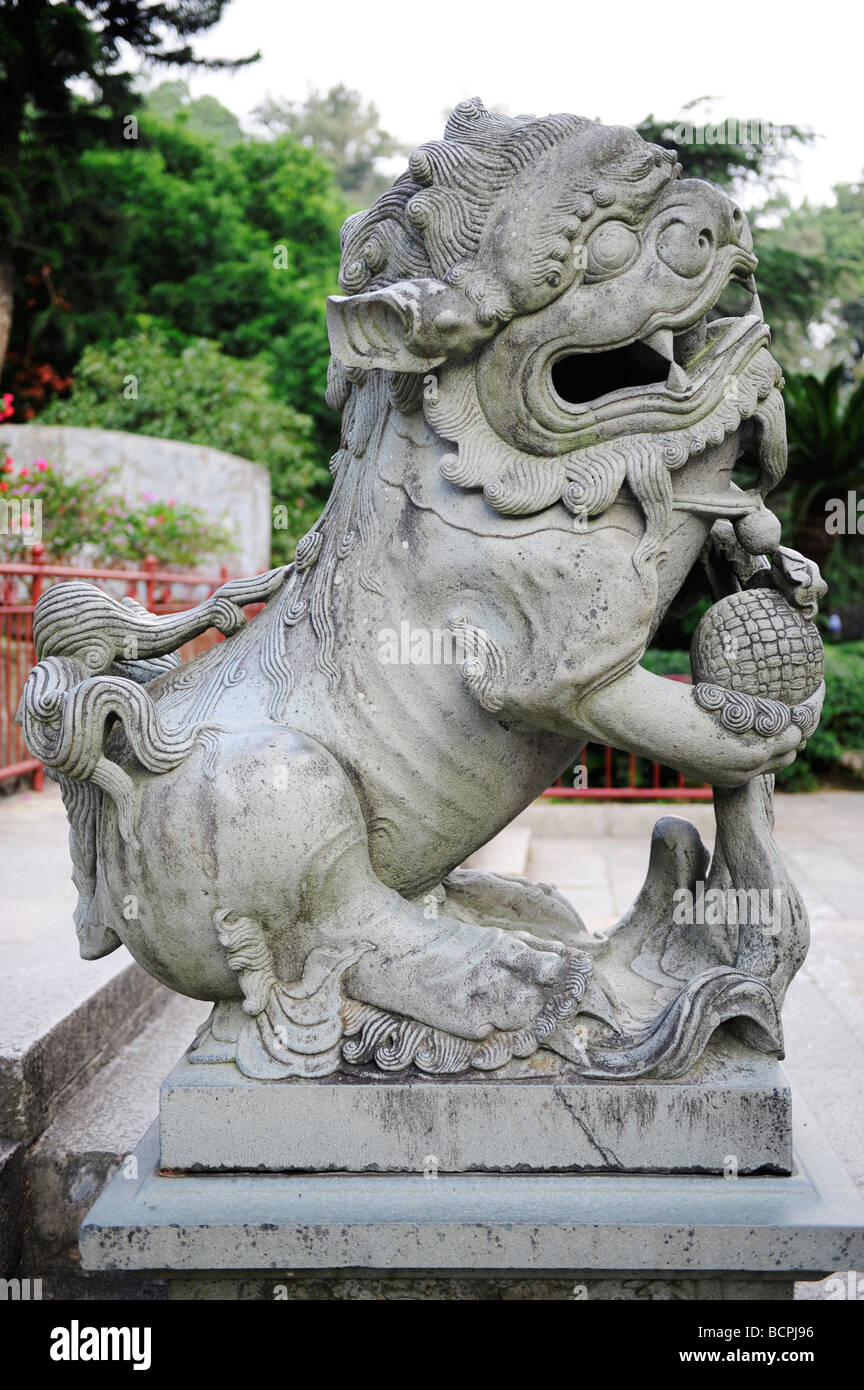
x: 540, y: 422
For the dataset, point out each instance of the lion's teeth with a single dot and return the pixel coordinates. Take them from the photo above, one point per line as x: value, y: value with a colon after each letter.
x: 755, y: 305
x: 677, y: 380
x: 661, y: 342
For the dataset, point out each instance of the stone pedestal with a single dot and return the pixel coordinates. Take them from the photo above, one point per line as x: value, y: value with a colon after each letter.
x: 731, y: 1113
x: 484, y: 1235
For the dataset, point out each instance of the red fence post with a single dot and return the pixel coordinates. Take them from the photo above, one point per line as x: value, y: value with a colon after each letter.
x: 150, y: 569
x: 39, y: 558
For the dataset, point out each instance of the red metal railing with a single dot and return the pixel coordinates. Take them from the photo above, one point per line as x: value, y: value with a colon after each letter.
x: 22, y: 584
x: 621, y: 778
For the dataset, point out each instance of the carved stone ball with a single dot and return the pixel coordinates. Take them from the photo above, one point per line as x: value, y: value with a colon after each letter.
x: 757, y: 643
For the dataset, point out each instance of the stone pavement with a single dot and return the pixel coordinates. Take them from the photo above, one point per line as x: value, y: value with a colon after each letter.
x: 596, y: 853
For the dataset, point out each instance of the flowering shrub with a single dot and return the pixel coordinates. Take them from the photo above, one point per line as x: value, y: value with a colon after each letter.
x: 80, y: 518
x: 34, y: 383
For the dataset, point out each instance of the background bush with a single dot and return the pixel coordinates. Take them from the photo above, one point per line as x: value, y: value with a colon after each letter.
x: 191, y: 390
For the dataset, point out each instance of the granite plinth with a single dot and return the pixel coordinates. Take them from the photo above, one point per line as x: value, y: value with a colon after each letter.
x: 731, y: 1113
x: 208, y: 1226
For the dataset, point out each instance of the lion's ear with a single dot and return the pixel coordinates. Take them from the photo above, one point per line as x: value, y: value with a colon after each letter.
x: 411, y: 326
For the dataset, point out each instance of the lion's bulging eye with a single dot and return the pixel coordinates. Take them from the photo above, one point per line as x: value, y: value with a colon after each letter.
x: 610, y: 248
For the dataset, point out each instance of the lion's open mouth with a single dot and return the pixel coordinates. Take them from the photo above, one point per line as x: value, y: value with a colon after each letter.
x: 580, y: 378
x: 671, y: 361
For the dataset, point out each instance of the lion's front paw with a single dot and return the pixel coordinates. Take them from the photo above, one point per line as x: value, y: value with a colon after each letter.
x: 463, y: 977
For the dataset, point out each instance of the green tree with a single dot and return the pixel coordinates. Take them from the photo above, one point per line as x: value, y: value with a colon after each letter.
x: 796, y: 280
x: 825, y: 428
x: 345, y: 130
x: 203, y: 115
x: 754, y: 157
x: 154, y: 383
x: 833, y: 236
x: 237, y: 244
x: 47, y: 50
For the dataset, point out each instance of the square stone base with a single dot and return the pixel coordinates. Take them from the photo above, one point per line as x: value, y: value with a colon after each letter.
x: 261, y: 1231
x: 731, y: 1113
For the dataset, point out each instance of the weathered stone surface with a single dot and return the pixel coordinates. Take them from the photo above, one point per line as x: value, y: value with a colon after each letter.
x: 481, y: 1288
x: 11, y: 1222
x: 94, y: 1132
x: 731, y: 1112
x: 37, y: 1077
x: 61, y: 1018
x: 602, y: 1226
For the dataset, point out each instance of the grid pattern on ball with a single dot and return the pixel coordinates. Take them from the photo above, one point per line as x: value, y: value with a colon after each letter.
x: 755, y: 642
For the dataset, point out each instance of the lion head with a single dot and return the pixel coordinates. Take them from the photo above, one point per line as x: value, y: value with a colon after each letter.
x: 557, y: 278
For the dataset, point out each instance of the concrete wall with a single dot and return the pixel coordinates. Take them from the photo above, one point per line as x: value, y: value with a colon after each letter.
x: 228, y: 489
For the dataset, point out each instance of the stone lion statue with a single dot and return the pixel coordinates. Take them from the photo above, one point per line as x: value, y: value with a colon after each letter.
x: 541, y: 414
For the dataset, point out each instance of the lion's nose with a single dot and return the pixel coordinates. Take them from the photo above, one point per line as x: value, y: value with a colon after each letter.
x: 696, y: 221
x: 686, y: 246
x: 733, y: 229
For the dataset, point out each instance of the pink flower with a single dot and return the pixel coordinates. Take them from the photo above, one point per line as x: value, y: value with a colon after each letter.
x: 41, y: 465
x: 151, y: 521
x: 148, y: 496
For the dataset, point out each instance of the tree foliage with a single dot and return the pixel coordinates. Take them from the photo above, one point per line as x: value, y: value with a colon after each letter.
x: 156, y: 383
x: 825, y: 429
x: 344, y: 129
x: 237, y: 244
x: 204, y: 115
x: 830, y: 237
x: 47, y: 52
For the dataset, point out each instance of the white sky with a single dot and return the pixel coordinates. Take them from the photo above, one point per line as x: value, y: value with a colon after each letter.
x: 786, y: 62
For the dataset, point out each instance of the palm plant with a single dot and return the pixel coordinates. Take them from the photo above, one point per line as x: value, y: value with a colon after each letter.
x: 825, y: 428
